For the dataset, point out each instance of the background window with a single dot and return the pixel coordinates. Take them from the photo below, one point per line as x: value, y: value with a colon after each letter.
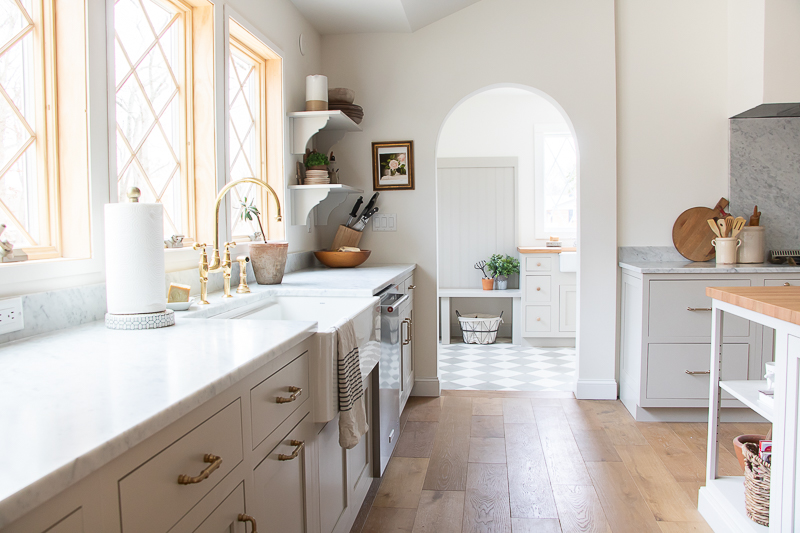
x: 556, y: 184
x: 151, y: 106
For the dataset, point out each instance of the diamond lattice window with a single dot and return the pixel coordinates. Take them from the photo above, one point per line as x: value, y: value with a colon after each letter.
x: 560, y: 185
x: 245, y: 133
x: 150, y: 121
x: 19, y: 187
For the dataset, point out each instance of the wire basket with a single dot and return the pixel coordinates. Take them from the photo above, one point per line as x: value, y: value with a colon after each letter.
x: 477, y: 328
x: 756, y: 485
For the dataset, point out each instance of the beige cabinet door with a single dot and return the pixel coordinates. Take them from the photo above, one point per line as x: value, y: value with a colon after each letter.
x: 282, y: 488
x: 71, y: 524
x: 406, y: 355
x: 332, y: 476
x: 224, y: 517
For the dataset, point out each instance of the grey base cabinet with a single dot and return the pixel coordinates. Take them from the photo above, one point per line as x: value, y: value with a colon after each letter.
x: 665, y: 344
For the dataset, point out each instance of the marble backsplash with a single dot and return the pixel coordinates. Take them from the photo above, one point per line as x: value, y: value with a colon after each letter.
x: 648, y: 254
x: 50, y: 311
x: 765, y: 171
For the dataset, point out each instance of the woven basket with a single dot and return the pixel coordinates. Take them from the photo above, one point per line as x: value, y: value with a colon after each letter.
x: 756, y: 485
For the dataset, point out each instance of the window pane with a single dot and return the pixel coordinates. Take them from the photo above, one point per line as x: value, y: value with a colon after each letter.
x: 560, y: 170
x: 19, y: 194
x: 149, y: 118
x: 244, y: 150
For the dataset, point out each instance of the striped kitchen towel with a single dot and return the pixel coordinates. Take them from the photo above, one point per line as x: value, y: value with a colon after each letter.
x: 352, y: 411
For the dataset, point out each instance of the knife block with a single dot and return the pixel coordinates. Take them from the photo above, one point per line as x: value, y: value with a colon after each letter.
x: 346, y: 237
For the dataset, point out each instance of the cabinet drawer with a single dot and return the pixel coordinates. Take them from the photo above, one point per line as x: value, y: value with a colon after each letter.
x: 537, y: 288
x: 537, y: 318
x: 267, y: 412
x: 538, y: 264
x: 151, y: 499
x: 782, y: 282
x: 680, y: 309
x: 224, y: 516
x: 408, y: 285
x: 667, y: 365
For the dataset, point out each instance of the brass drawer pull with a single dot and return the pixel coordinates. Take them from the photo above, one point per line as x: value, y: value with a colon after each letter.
x: 407, y: 322
x: 538, y: 288
x: 698, y: 309
x: 412, y: 287
x: 215, y: 461
x: 247, y: 518
x: 296, y: 391
x: 299, y: 445
x: 697, y: 372
x: 787, y: 284
x: 538, y: 264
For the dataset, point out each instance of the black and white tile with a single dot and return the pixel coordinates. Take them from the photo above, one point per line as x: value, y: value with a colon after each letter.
x: 505, y: 367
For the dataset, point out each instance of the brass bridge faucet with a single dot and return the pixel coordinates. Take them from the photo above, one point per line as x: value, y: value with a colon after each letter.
x: 224, y: 265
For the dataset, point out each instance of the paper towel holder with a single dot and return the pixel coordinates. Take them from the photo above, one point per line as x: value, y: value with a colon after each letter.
x: 133, y: 195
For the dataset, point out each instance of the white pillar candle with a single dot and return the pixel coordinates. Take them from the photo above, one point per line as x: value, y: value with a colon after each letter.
x: 316, y: 93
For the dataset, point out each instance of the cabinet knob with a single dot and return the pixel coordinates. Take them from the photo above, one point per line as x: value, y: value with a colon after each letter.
x: 298, y: 444
x: 296, y: 391
x: 538, y: 264
x: 215, y: 461
x: 787, y: 284
x: 538, y: 288
x: 247, y: 518
x: 538, y: 319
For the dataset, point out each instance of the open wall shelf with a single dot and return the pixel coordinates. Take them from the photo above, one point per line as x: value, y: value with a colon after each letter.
x: 325, y: 197
x: 331, y: 126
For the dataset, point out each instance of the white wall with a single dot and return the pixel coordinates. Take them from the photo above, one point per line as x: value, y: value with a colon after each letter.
x: 408, y: 83
x: 500, y: 123
x: 672, y: 141
x: 782, y: 51
x: 745, y: 55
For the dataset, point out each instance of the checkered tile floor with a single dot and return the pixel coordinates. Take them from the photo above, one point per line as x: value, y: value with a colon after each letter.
x: 505, y: 367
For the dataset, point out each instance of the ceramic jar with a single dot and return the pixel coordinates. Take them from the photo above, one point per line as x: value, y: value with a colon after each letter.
x: 269, y: 261
x: 726, y: 249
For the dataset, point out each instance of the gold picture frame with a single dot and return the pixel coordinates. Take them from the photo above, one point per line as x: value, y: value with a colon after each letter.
x: 393, y: 166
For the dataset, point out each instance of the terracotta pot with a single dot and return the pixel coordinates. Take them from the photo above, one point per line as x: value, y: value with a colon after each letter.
x: 317, y: 167
x: 739, y: 441
x: 269, y: 261
x: 488, y: 284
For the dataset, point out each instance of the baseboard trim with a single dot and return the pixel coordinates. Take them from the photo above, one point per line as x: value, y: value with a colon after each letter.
x: 426, y: 387
x: 596, y: 389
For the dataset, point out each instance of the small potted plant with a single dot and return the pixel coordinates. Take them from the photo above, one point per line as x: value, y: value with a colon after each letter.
x: 316, y: 161
x: 487, y: 282
x: 268, y: 258
x: 501, y: 267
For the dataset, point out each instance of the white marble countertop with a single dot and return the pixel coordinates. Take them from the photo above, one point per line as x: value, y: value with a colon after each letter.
x: 709, y: 267
x: 64, y: 412
x: 356, y: 282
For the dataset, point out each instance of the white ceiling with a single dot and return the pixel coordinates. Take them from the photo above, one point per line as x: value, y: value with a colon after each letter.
x: 331, y: 17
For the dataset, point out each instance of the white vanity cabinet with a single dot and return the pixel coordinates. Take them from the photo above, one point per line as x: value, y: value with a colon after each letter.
x: 665, y: 341
x: 549, y: 297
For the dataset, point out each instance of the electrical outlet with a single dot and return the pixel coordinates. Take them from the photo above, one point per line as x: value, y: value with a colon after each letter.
x: 11, y: 315
x: 384, y: 222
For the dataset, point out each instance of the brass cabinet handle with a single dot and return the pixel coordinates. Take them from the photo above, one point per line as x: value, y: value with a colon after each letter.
x: 407, y: 322
x: 298, y: 444
x: 698, y: 309
x: 697, y: 372
x: 412, y: 287
x: 296, y: 391
x: 247, y: 518
x: 787, y: 284
x: 215, y: 461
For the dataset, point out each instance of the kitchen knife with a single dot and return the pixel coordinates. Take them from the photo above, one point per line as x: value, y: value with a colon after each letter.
x: 362, y: 222
x: 354, y: 211
x: 370, y: 204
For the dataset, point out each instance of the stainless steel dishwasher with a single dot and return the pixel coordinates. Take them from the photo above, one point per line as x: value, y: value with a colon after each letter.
x: 393, y: 307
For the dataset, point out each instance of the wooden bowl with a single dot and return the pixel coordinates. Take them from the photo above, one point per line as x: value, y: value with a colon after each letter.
x: 341, y: 95
x: 342, y: 259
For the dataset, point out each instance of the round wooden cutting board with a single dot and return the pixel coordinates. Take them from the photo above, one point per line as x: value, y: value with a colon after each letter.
x: 692, y: 235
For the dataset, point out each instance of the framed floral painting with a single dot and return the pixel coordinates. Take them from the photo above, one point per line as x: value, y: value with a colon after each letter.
x: 393, y: 166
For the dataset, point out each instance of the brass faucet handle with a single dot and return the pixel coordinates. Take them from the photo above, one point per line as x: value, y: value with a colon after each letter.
x: 198, y: 245
x: 228, y: 245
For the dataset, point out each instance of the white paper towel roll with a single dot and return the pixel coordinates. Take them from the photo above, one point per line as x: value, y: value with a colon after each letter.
x: 135, y: 258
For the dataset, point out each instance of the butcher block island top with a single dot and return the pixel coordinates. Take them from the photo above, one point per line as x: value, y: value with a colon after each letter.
x: 545, y: 249
x: 782, y: 303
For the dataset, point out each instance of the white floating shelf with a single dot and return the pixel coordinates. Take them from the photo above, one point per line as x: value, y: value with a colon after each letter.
x: 479, y: 293
x: 306, y: 124
x: 746, y: 391
x: 721, y: 502
x: 325, y: 197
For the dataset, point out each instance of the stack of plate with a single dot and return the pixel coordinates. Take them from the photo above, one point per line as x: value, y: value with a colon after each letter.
x: 355, y: 112
x: 316, y: 177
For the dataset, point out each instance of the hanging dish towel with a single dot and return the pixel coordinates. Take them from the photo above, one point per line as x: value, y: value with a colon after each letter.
x: 352, y: 412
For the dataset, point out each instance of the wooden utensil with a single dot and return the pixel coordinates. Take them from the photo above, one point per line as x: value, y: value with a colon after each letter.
x: 714, y: 228
x: 729, y: 224
x: 692, y: 235
x: 755, y: 218
x: 723, y: 227
x: 738, y: 224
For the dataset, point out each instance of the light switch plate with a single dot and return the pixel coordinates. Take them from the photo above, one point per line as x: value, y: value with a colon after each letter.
x: 385, y: 222
x: 11, y: 315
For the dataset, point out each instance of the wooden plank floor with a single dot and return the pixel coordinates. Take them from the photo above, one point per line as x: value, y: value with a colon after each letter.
x: 497, y: 462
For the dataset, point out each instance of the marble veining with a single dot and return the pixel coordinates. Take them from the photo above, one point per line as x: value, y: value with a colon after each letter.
x: 65, y: 417
x: 765, y: 171
x: 709, y: 267
x: 639, y: 254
